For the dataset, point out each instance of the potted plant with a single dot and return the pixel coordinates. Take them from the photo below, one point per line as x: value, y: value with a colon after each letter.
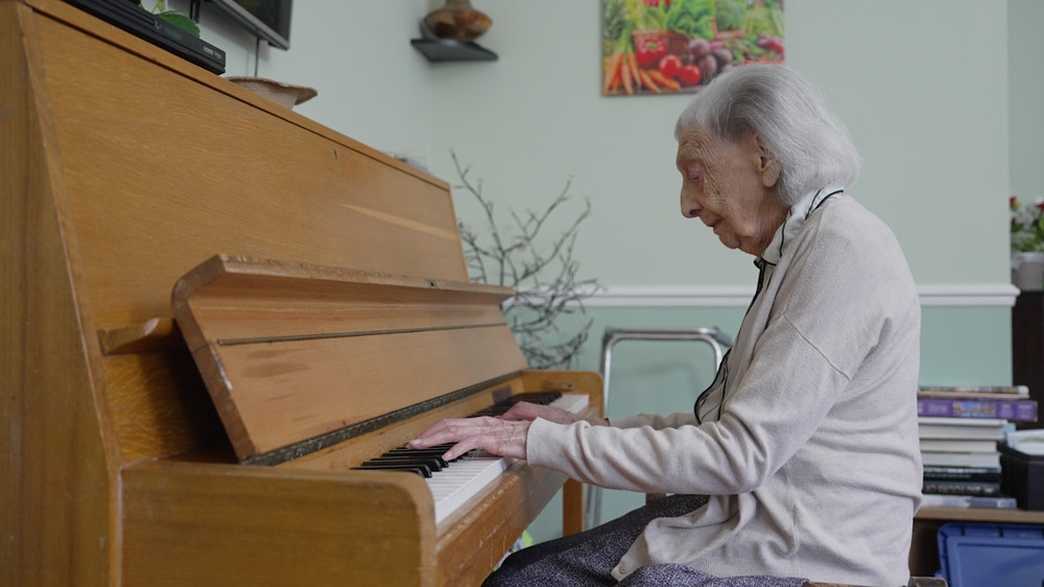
x: 1027, y: 244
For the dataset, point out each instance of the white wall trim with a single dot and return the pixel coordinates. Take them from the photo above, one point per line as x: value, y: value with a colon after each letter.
x: 988, y: 294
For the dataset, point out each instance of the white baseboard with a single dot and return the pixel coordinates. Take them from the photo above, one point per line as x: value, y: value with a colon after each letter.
x: 989, y: 294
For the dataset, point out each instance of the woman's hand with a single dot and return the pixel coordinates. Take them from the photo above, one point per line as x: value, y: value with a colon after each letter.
x: 503, y: 438
x: 527, y: 411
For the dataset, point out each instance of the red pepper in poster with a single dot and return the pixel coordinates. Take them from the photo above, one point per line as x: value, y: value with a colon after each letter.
x: 649, y: 51
x: 689, y: 75
x: 670, y: 65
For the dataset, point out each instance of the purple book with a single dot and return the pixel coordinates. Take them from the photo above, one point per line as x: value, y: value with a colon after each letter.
x: 1015, y: 410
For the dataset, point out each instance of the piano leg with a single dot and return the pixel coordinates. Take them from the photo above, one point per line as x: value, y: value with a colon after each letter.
x: 572, y: 507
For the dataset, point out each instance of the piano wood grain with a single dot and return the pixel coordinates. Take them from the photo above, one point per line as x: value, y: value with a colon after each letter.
x: 153, y: 334
x: 219, y: 171
x: 159, y: 57
x: 292, y: 391
x: 233, y: 299
x: 56, y: 468
x: 218, y: 525
x: 292, y: 351
x: 160, y: 406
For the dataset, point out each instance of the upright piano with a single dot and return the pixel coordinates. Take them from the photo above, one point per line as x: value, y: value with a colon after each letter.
x: 219, y: 323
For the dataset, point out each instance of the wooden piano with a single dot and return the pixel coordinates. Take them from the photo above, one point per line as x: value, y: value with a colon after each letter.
x: 212, y: 311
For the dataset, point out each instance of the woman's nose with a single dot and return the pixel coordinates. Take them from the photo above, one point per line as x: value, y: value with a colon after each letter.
x: 689, y: 209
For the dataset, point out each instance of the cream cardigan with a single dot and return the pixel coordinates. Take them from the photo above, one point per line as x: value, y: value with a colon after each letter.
x: 813, y: 467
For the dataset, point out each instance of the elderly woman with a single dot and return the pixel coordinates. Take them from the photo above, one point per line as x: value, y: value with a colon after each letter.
x: 806, y: 441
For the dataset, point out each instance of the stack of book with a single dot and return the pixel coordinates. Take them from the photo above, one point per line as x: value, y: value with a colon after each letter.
x: 959, y: 428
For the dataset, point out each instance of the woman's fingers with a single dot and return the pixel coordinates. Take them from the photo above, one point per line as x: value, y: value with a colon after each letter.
x: 522, y: 411
x: 450, y: 430
x: 528, y: 411
x: 439, y: 429
x: 462, y: 447
x: 495, y: 436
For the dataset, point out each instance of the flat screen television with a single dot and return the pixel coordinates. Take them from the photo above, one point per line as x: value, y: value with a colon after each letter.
x: 268, y: 19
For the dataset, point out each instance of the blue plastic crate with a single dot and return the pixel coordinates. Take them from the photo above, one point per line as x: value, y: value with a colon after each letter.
x: 992, y: 555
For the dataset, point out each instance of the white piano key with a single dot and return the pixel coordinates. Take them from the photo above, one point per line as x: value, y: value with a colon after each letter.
x: 463, y: 479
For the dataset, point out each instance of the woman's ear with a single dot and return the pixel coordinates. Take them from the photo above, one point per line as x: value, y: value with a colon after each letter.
x: 770, y: 176
x: 769, y: 168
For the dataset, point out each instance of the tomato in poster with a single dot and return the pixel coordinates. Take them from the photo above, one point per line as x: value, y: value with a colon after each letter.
x: 689, y: 75
x: 670, y: 65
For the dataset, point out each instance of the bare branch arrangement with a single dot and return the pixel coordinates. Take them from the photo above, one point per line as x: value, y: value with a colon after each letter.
x: 542, y: 272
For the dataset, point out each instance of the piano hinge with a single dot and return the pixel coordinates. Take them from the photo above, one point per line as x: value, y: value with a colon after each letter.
x: 348, y: 334
x: 317, y: 443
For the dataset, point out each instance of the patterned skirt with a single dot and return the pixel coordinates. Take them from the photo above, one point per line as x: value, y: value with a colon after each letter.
x: 585, y: 559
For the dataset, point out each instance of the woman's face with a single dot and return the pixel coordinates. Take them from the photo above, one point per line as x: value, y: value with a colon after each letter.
x: 730, y: 187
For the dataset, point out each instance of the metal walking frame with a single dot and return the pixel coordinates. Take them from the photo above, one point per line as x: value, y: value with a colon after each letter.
x: 713, y: 337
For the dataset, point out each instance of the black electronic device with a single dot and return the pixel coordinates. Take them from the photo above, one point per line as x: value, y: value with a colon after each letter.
x: 1023, y: 477
x: 143, y: 24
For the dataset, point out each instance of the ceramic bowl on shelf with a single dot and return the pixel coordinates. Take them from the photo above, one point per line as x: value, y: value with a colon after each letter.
x: 287, y: 95
x: 458, y: 21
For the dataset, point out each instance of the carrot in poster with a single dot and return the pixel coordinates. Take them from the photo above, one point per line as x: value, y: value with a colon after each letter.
x: 664, y: 81
x: 612, y: 73
x: 614, y: 84
x: 647, y: 80
x: 632, y: 62
x: 625, y: 73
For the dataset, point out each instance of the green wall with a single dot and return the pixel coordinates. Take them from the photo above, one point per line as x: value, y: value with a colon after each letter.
x: 1026, y: 79
x: 922, y: 85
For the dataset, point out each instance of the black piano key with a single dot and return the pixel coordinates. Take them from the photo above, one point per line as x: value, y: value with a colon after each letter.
x: 432, y: 462
x: 421, y: 470
x: 415, y: 470
x: 405, y: 450
x: 419, y: 457
x: 535, y: 397
x: 435, y: 454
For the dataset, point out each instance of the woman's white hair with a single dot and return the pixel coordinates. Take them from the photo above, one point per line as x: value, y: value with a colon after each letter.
x: 789, y: 116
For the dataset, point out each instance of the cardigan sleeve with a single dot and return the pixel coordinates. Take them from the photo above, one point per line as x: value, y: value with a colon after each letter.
x: 656, y: 421
x: 772, y: 414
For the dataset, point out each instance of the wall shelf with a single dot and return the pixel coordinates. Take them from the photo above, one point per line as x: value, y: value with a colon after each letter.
x: 447, y: 50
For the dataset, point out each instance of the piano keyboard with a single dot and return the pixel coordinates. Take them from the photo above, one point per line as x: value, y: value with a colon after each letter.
x: 457, y: 481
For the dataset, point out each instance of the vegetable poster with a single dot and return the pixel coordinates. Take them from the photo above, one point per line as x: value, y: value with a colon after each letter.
x: 676, y: 46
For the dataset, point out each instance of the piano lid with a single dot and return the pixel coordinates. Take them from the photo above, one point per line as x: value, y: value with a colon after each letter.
x: 294, y: 354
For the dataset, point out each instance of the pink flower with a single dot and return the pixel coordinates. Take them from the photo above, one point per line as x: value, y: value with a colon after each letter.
x: 1013, y: 202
